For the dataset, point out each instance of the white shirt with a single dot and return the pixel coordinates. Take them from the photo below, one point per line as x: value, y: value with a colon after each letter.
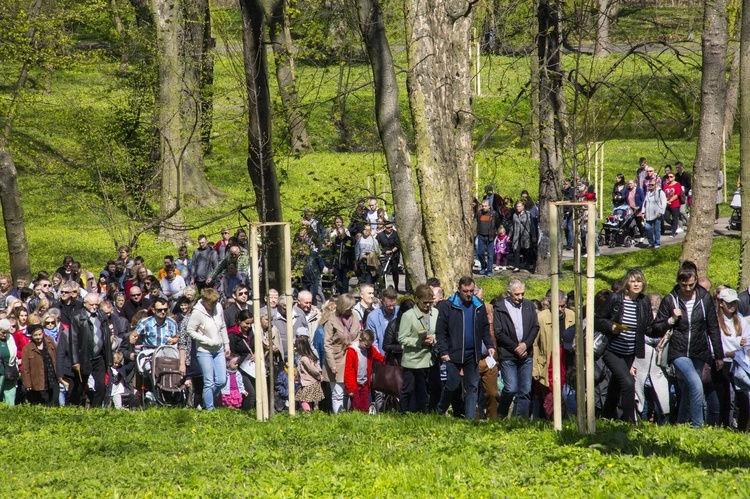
x: 732, y: 343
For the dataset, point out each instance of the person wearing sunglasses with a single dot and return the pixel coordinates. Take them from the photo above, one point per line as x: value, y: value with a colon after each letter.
x: 672, y: 190
x: 157, y: 330
x: 138, y: 301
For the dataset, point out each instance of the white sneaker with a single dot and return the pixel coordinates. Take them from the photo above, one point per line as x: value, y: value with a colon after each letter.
x: 477, y: 265
x: 679, y: 230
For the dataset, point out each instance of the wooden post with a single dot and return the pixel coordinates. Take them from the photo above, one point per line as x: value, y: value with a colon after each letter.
x: 479, y: 65
x: 579, y: 344
x: 261, y: 397
x: 289, y: 316
x: 590, y: 286
x: 554, y: 310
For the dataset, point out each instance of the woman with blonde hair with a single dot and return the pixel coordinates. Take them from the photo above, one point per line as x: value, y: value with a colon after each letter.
x: 339, y: 330
x: 207, y: 327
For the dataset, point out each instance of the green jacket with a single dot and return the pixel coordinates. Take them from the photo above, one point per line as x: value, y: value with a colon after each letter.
x: 417, y: 355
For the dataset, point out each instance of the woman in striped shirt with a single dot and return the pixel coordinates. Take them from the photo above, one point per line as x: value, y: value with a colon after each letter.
x: 626, y: 318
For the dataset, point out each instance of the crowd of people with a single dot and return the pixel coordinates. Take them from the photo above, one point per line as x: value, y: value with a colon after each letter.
x: 64, y: 341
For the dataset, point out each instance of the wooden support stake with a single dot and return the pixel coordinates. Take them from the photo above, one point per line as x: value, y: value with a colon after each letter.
x: 554, y: 310
x: 590, y: 287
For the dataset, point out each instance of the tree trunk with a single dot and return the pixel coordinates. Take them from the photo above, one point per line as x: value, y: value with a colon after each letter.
x: 744, y: 72
x: 438, y: 37
x: 167, y: 19
x: 551, y: 129
x: 260, y: 162
x: 192, y: 103
x: 207, y: 83
x: 393, y: 138
x: 730, y: 113
x: 282, y: 55
x: 10, y: 194
x: 607, y: 12
x: 534, y: 94
x: 15, y: 229
x: 697, y: 247
x: 117, y: 20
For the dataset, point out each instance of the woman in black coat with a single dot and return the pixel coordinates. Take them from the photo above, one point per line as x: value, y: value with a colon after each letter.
x: 626, y: 318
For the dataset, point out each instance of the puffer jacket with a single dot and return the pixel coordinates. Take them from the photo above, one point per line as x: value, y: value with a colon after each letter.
x: 611, y: 311
x: 691, y: 340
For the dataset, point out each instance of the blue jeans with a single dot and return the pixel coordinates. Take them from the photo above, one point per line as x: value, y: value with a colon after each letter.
x: 517, y: 383
x: 453, y: 383
x: 569, y: 229
x: 486, y: 251
x: 691, y: 400
x: 214, y: 369
x: 653, y: 231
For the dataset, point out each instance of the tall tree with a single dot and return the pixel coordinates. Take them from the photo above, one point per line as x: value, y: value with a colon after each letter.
x: 697, y: 247
x: 10, y: 194
x: 196, y: 60
x: 438, y: 38
x: 172, y: 148
x: 551, y: 128
x: 282, y: 54
x: 393, y: 138
x: 606, y: 15
x: 744, y: 91
x: 260, y: 162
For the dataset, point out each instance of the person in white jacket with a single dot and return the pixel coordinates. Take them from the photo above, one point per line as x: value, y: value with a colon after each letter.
x: 653, y: 208
x: 207, y: 327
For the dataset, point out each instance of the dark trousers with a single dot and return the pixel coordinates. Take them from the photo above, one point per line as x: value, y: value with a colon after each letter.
x: 621, y: 386
x: 49, y: 397
x: 248, y: 401
x: 342, y: 280
x: 672, y: 217
x: 96, y: 397
x: 414, y: 391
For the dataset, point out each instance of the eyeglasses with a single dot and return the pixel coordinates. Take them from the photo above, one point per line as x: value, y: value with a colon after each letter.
x: 135, y: 295
x: 47, y: 323
x: 160, y: 309
x: 64, y: 292
x: 242, y: 293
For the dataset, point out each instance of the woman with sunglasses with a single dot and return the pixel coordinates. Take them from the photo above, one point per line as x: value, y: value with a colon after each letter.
x: 626, y: 318
x: 690, y: 313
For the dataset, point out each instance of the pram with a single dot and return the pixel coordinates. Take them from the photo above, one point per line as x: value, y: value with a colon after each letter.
x: 735, y: 220
x: 163, y: 384
x: 619, y: 227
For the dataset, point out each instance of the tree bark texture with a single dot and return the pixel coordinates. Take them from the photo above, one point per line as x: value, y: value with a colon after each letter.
x: 733, y: 90
x: 393, y: 138
x: 260, y: 161
x: 193, y: 103
x: 607, y: 10
x: 438, y: 37
x: 207, y: 83
x: 167, y: 19
x: 744, y: 91
x: 551, y: 129
x: 697, y: 247
x: 282, y: 55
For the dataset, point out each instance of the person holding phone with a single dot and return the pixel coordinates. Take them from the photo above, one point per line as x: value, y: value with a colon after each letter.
x: 626, y: 318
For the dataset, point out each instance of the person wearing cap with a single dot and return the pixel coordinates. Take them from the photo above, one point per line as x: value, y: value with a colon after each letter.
x: 39, y: 371
x: 390, y: 250
x: 542, y: 368
x: 735, y: 338
x: 626, y: 319
x: 8, y: 362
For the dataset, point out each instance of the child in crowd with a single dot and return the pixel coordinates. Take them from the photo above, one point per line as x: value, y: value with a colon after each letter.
x: 358, y: 369
x: 310, y: 375
x: 116, y: 377
x: 502, y: 243
x: 234, y: 390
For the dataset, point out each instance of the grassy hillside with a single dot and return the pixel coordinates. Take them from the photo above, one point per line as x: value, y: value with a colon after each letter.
x: 184, y: 453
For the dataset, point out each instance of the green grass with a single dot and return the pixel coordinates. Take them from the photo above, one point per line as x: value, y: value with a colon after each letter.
x: 162, y: 453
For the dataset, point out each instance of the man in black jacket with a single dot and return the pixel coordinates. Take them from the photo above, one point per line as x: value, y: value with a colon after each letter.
x: 90, y: 351
x: 462, y: 327
x: 516, y: 329
x: 390, y: 247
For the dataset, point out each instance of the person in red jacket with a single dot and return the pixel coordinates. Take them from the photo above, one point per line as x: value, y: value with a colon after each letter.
x: 358, y: 369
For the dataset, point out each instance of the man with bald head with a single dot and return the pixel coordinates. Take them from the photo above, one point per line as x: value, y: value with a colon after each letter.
x: 136, y: 302
x: 90, y: 351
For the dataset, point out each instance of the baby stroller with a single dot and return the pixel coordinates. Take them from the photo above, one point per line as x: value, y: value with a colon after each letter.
x: 163, y: 384
x: 735, y: 220
x: 618, y: 228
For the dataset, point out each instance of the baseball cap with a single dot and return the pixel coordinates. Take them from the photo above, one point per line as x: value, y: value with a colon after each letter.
x: 728, y: 295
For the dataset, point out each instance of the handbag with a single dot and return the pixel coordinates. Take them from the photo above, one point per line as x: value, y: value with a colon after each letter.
x: 601, y: 341
x: 662, y: 350
x: 372, y: 259
x: 387, y: 378
x: 11, y: 372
